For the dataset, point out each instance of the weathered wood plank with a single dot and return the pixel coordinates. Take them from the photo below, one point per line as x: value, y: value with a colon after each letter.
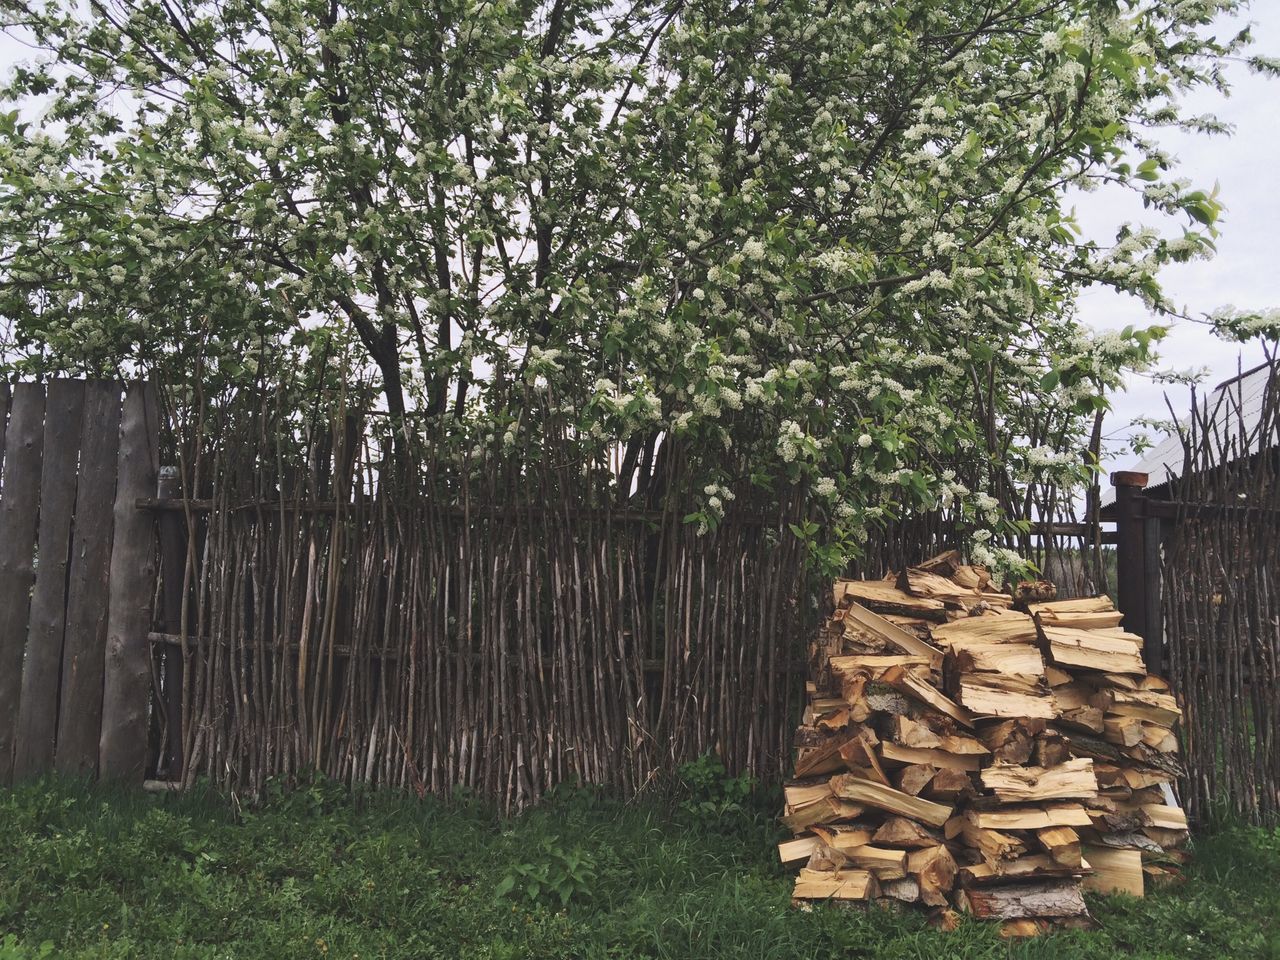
x: 19, y: 505
x: 80, y: 701
x: 4, y: 417
x: 38, y: 708
x: 123, y: 744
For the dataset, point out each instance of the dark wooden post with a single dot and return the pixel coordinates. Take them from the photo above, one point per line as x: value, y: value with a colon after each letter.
x: 1153, y: 639
x: 1131, y: 551
x: 173, y: 566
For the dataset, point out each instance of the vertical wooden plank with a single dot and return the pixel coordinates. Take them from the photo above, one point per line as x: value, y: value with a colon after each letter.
x: 1131, y: 553
x: 122, y: 750
x: 4, y: 417
x: 38, y: 706
x: 1153, y: 647
x: 80, y: 699
x: 173, y: 569
x: 19, y: 505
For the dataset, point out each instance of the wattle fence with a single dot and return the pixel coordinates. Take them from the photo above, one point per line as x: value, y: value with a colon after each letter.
x: 307, y: 589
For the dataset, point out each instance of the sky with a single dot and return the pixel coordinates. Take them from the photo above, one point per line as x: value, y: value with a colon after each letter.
x: 1246, y: 270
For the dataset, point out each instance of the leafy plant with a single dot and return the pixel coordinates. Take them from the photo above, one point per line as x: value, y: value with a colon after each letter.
x: 11, y: 948
x: 555, y: 876
x: 713, y: 795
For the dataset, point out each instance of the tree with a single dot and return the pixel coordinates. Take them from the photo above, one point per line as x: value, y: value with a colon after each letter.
x: 829, y: 237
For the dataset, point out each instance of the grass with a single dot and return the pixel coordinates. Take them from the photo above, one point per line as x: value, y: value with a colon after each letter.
x: 88, y: 872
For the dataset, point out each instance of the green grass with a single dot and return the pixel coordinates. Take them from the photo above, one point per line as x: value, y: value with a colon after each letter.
x: 86, y: 872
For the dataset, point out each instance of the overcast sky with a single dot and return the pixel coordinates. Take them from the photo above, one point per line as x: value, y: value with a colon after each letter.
x: 1246, y: 270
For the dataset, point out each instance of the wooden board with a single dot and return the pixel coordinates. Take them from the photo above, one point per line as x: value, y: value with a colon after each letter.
x: 122, y: 745
x: 1114, y: 870
x: 19, y: 506
x: 38, y: 709
x: 83, y: 650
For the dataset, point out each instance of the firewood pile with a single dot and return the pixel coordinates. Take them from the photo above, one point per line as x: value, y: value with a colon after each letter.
x: 966, y: 749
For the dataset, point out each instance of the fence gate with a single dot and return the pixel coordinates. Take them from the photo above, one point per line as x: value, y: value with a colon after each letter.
x: 77, y: 575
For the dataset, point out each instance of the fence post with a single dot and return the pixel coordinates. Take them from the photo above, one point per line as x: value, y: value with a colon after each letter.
x: 1153, y: 639
x: 1131, y: 551
x: 173, y: 565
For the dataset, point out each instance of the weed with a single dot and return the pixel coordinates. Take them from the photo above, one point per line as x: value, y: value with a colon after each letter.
x: 555, y: 875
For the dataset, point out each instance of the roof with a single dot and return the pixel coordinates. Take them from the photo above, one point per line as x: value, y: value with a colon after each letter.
x: 1235, y: 406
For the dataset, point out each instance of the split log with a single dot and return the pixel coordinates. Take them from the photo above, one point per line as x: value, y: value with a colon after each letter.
x: 906, y: 683
x: 835, y: 885
x: 1058, y: 898
x: 886, y: 798
x: 914, y: 778
x: 1016, y: 628
x: 904, y: 833
x: 949, y: 786
x: 935, y: 870
x: 1062, y: 844
x: 881, y: 597
x: 937, y: 758
x: 1092, y: 650
x: 1012, y: 659
x: 988, y: 695
x: 1100, y: 604
x: 1075, y: 778
x: 1032, y: 818
x: 1165, y: 817
x: 1114, y: 870
x: 789, y: 851
x: 1144, y: 704
x: 1013, y: 740
x: 1036, y: 866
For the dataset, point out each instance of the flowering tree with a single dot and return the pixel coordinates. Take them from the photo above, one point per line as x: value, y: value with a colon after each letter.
x: 830, y: 238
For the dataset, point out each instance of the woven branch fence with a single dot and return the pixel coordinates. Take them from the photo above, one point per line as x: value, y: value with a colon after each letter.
x: 489, y: 618
x: 1221, y: 583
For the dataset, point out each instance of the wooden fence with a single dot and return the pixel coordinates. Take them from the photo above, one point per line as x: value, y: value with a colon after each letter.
x: 481, y: 615
x: 1218, y: 556
x: 290, y: 596
x: 76, y: 575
